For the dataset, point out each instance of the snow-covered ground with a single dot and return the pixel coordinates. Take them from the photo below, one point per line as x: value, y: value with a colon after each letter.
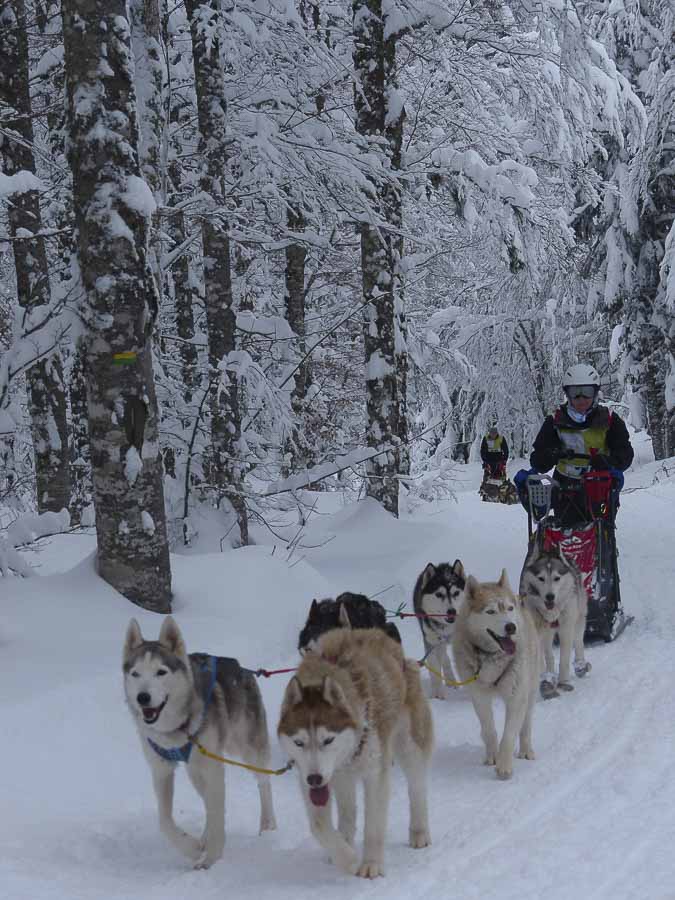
x: 592, y: 817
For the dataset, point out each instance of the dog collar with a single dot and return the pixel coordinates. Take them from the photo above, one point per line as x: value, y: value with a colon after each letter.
x: 182, y: 754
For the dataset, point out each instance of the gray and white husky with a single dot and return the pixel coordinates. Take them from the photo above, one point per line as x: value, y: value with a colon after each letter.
x: 438, y: 594
x: 553, y: 590
x: 174, y: 698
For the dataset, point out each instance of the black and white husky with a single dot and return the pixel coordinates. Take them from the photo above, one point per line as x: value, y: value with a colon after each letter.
x: 552, y: 588
x: 438, y: 594
x: 174, y: 698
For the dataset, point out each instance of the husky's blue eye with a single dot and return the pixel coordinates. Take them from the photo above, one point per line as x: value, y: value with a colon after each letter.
x: 490, y: 612
x: 161, y: 672
x: 135, y: 675
x: 298, y: 743
x: 328, y: 741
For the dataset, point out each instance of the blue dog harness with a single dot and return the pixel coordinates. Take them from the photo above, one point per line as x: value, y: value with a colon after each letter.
x: 182, y: 754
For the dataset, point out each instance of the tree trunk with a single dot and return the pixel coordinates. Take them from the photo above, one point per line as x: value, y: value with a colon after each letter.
x: 113, y: 206
x: 297, y: 448
x: 377, y: 266
x: 80, y: 466
x: 46, y: 392
x: 146, y: 19
x: 220, y: 318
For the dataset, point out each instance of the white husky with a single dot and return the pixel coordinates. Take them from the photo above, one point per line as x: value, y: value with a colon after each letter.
x: 496, y: 641
x: 175, y: 698
x: 353, y: 705
x: 553, y: 590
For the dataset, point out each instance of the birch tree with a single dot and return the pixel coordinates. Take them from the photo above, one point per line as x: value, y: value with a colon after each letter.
x: 113, y: 208
x: 46, y: 392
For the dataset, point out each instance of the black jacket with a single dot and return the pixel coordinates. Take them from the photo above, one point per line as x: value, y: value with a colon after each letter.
x: 490, y: 457
x: 547, y: 444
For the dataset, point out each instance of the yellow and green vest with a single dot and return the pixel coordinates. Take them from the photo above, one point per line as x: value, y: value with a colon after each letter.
x: 582, y: 439
x: 494, y: 445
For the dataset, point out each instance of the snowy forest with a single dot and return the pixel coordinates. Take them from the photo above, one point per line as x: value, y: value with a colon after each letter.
x: 249, y: 247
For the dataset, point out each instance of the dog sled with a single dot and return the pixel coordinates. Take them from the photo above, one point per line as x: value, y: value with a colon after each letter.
x: 590, y: 543
x: 496, y: 487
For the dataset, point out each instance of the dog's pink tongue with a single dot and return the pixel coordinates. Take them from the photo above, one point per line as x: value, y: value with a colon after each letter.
x: 319, y: 795
x: 508, y: 646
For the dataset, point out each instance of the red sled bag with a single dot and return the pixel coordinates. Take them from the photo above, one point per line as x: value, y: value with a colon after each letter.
x: 579, y: 546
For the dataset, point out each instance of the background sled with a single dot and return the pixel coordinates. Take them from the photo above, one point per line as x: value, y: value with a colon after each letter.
x: 496, y: 487
x: 590, y: 544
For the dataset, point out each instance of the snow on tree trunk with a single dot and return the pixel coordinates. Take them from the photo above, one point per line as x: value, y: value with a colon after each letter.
x: 227, y: 475
x: 394, y: 119
x: 46, y: 392
x: 149, y: 79
x: 113, y: 207
x: 298, y: 448
x: 378, y: 267
x: 185, y: 294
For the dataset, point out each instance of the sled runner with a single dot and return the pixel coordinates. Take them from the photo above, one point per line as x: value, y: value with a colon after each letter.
x: 496, y: 487
x: 590, y: 543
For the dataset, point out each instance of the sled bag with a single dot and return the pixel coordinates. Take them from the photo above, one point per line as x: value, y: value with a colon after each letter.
x: 579, y: 546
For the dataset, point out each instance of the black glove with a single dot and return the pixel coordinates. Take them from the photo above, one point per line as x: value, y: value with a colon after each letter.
x: 600, y: 461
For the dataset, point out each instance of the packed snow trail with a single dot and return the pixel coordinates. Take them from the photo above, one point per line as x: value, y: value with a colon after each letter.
x: 591, y: 817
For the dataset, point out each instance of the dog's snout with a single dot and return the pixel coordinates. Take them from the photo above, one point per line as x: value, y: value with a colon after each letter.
x: 314, y: 780
x: 550, y: 601
x: 143, y: 698
x: 510, y: 628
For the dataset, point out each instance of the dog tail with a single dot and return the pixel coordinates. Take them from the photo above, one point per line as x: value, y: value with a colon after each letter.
x: 421, y: 721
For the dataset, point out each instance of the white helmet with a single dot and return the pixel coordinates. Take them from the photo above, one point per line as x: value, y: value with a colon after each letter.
x: 580, y: 374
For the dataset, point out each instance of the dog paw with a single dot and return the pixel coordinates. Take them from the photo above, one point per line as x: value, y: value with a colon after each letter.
x: 582, y: 669
x: 269, y: 823
x: 206, y: 860
x: 419, y: 837
x: 370, y: 869
x: 565, y: 686
x: 489, y: 760
x: 548, y: 690
x: 347, y: 861
x: 504, y: 767
x: 526, y: 754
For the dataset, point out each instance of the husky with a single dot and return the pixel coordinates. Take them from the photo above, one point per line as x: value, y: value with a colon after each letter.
x: 176, y: 699
x: 496, y: 642
x: 553, y: 590
x: 354, y: 705
x: 439, y: 591
x: 346, y: 611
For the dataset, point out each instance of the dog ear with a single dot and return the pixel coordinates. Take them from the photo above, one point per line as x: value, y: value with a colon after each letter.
x: 458, y: 568
x: 313, y: 610
x: 133, y: 639
x: 427, y: 574
x: 333, y: 693
x: 471, y: 586
x: 170, y: 637
x: 504, y: 580
x: 343, y: 617
x: 293, y: 693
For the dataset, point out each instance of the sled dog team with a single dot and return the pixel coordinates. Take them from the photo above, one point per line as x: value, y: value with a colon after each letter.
x: 355, y: 703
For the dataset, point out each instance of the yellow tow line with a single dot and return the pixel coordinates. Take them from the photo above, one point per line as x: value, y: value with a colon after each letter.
x: 447, y: 680
x: 234, y: 762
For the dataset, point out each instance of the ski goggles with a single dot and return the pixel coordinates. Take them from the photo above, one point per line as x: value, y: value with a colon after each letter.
x: 577, y: 391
